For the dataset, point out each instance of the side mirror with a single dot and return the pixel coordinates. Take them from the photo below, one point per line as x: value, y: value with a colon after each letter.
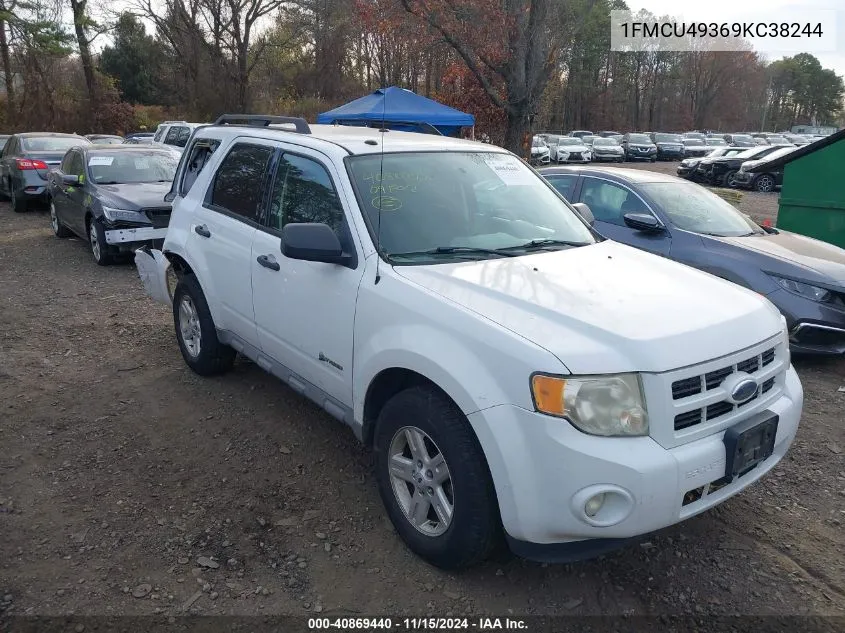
x: 313, y: 242
x: 585, y: 212
x: 70, y: 179
x: 642, y: 222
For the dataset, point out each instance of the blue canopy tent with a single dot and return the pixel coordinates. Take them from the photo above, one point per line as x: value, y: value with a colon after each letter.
x: 400, y: 109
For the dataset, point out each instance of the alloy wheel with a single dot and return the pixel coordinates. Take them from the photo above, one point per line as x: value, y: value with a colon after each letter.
x: 765, y: 184
x: 421, y: 481
x: 93, y: 238
x: 189, y: 326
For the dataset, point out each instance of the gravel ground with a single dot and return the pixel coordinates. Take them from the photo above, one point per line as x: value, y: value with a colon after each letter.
x: 129, y: 485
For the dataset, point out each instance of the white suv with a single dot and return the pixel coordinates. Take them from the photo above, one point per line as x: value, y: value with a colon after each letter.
x: 515, y: 374
x: 174, y: 134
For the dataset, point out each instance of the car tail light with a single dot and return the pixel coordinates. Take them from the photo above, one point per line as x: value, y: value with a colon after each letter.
x: 26, y: 163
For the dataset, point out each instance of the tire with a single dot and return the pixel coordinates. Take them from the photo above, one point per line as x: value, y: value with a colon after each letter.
x: 473, y: 529
x: 653, y: 160
x: 97, y: 242
x: 205, y: 355
x: 728, y: 179
x: 18, y: 204
x: 59, y: 229
x: 765, y: 183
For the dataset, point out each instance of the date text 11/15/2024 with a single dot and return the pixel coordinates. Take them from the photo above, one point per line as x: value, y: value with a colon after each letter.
x: 417, y: 624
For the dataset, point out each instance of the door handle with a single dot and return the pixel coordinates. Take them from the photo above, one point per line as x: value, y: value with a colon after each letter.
x: 268, y: 261
x: 202, y: 229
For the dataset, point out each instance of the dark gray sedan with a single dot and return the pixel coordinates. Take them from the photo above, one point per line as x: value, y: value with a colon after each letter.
x: 112, y: 196
x: 25, y: 162
x: 803, y: 277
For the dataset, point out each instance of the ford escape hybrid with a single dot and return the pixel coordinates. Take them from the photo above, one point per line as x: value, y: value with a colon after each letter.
x: 516, y: 375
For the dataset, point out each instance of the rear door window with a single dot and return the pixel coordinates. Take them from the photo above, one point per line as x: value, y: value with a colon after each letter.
x: 239, y: 182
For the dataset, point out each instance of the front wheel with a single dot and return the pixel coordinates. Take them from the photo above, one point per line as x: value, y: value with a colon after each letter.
x: 730, y: 179
x: 195, y: 331
x: 97, y: 242
x: 764, y: 183
x: 434, y: 480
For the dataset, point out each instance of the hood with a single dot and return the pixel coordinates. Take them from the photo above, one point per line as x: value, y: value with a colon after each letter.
x: 669, y: 144
x: 607, y: 148
x: 645, y: 145
x: 135, y: 195
x: 607, y: 307
x: 573, y: 148
x: 824, y: 258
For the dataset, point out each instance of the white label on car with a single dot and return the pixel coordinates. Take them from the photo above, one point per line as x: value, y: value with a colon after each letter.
x: 142, y: 163
x: 100, y: 160
x: 508, y: 168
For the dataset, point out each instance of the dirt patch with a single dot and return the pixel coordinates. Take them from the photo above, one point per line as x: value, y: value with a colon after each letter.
x: 129, y: 485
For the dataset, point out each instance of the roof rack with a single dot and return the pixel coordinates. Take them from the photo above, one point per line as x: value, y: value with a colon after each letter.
x: 168, y: 122
x: 421, y: 126
x: 264, y: 120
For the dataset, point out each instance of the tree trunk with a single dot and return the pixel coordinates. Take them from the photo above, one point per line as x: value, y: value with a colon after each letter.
x: 7, y: 72
x: 79, y: 17
x: 518, y: 130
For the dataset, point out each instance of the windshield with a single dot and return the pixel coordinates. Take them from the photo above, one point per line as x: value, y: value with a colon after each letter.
x: 667, y: 138
x: 693, y: 141
x: 716, y: 141
x: 693, y: 208
x: 777, y: 139
x: 602, y: 142
x: 52, y: 143
x: 538, y: 142
x: 121, y: 167
x: 638, y: 138
x: 467, y: 200
x: 742, y: 138
x: 777, y: 153
x: 568, y: 140
x: 697, y: 135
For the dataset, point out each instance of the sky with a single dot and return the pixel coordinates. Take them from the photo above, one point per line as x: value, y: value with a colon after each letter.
x: 754, y: 11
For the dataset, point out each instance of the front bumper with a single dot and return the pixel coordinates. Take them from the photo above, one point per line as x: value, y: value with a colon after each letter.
x: 599, y: 156
x: 670, y: 153
x: 134, y: 235
x: 814, y: 328
x: 638, y: 155
x: 744, y: 179
x: 543, y: 469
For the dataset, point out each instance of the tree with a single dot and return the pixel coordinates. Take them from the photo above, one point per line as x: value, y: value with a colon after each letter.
x: 134, y: 60
x: 82, y: 25
x: 516, y: 41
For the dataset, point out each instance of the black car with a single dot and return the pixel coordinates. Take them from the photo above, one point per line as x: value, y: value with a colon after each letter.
x: 105, y: 139
x: 739, y: 140
x: 638, y: 146
x: 25, y: 161
x: 721, y: 170
x: 754, y: 174
x: 112, y: 196
x: 669, y: 146
x: 687, y: 167
x: 610, y: 134
x: 804, y: 278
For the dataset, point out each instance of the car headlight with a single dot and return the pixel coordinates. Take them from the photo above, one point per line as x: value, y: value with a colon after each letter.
x: 803, y: 289
x: 610, y: 406
x: 126, y: 215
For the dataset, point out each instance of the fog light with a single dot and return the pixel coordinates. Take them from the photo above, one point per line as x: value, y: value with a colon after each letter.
x: 594, y: 504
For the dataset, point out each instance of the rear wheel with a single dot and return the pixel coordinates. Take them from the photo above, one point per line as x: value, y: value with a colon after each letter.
x: 18, y: 203
x: 764, y: 183
x: 59, y: 229
x: 195, y: 331
x: 434, y: 480
x: 729, y: 179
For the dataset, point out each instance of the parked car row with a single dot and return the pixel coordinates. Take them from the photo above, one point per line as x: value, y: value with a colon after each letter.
x: 514, y: 368
x: 729, y: 167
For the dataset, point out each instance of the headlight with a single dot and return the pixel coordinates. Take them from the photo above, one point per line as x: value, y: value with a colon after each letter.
x: 115, y: 215
x: 611, y: 405
x: 805, y: 290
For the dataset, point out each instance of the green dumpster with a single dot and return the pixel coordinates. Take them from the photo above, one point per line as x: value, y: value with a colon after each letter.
x: 812, y: 199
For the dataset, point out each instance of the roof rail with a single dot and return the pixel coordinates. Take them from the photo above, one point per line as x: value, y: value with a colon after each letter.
x: 263, y: 120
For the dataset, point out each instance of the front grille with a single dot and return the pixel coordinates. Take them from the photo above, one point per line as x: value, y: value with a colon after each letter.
x: 692, y: 386
x: 159, y: 217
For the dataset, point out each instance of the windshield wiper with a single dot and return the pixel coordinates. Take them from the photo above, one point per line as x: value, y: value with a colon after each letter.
x: 540, y: 243
x: 449, y: 250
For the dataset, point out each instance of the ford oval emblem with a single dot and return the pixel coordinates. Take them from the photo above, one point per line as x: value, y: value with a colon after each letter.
x: 744, y: 390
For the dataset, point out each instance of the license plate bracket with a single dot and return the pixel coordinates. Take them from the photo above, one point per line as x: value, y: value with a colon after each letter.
x: 749, y: 443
